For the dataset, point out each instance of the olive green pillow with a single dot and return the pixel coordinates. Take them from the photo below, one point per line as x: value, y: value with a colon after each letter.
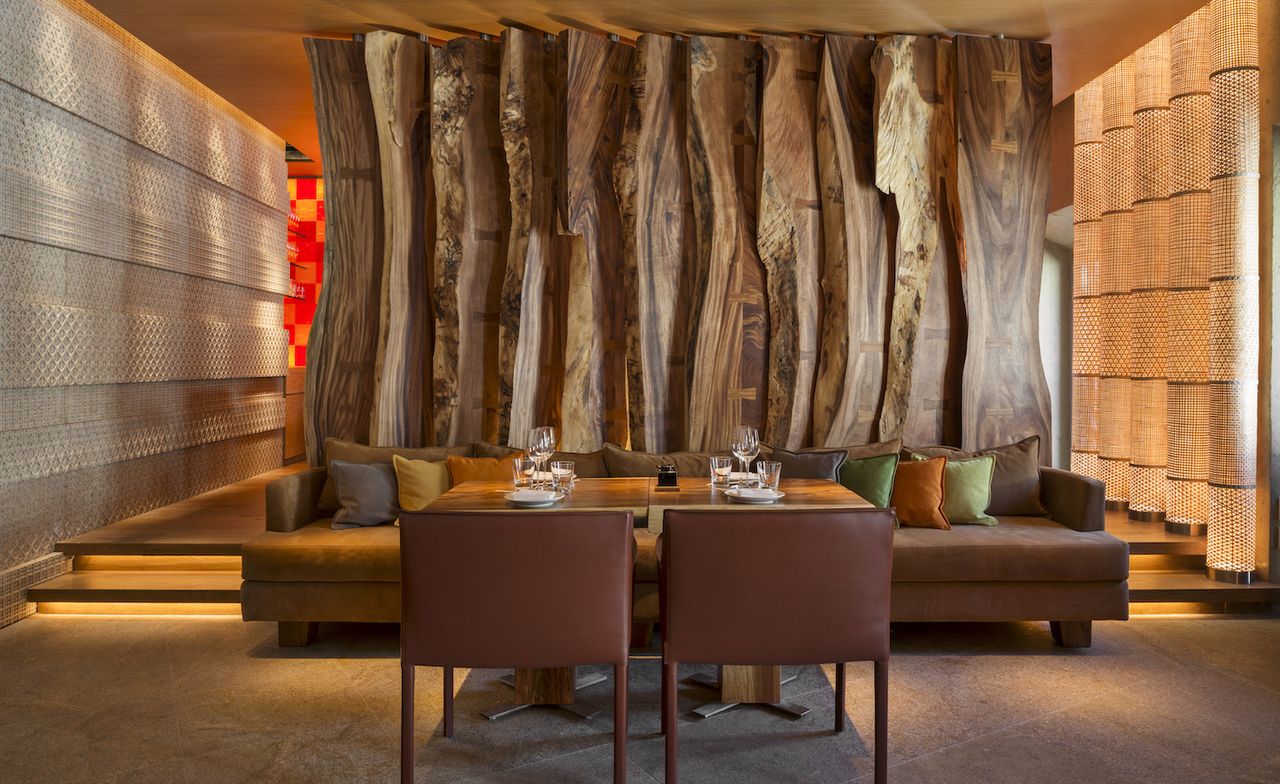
x: 967, y: 489
x: 871, y: 477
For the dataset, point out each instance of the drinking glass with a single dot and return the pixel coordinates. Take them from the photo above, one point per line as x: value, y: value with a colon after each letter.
x: 721, y: 471
x: 562, y: 475
x: 746, y: 447
x: 542, y: 443
x: 770, y: 475
x: 522, y: 471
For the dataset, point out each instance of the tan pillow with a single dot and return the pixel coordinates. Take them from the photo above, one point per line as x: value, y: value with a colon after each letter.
x: 420, y: 482
x: 1015, y: 485
x: 624, y: 462
x: 349, y: 452
x: 918, y: 493
x: 470, y: 469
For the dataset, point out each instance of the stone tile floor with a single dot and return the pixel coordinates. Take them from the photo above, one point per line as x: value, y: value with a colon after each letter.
x: 193, y: 700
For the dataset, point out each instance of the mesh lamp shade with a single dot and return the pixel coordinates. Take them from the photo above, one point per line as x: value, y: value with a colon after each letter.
x: 1117, y: 260
x: 1233, y: 290
x: 1086, y: 342
x: 1149, y: 281
x: 1186, y: 505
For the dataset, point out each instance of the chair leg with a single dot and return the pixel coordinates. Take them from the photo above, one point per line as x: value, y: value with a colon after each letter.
x: 448, y: 702
x: 839, y: 696
x: 669, y: 716
x: 662, y: 711
x: 882, y: 722
x: 406, y: 723
x: 620, y: 723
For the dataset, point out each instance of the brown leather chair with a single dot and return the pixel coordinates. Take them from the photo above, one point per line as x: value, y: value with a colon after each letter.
x: 497, y: 589
x: 768, y: 587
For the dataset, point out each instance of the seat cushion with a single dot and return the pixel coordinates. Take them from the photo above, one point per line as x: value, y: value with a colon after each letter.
x: 318, y: 553
x: 1019, y: 548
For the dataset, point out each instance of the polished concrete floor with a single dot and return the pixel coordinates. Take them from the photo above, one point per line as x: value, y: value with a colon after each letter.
x: 213, y: 700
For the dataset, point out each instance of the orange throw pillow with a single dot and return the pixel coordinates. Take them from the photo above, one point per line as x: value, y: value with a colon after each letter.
x: 466, y: 469
x: 917, y: 493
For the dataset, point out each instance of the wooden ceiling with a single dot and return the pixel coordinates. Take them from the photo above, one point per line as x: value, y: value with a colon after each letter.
x: 250, y: 51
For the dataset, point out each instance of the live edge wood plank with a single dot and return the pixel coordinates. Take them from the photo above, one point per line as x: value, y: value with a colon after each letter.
x: 789, y: 232
x: 342, y: 348
x: 1002, y: 115
x: 397, y: 67
x: 729, y: 326
x: 595, y: 76
x: 651, y: 176
x: 531, y: 321
x: 472, y: 220
x: 856, y: 266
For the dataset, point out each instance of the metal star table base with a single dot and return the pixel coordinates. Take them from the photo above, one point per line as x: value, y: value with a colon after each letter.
x: 792, y: 709
x: 580, y: 711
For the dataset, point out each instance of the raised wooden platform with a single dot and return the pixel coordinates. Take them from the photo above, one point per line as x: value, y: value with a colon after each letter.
x: 1186, y: 586
x: 140, y: 586
x: 1151, y: 538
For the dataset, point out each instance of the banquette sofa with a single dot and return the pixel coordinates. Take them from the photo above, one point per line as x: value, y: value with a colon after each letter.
x: 1058, y: 566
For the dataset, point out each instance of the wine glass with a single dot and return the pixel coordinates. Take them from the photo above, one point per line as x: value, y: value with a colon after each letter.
x: 542, y: 443
x: 562, y: 475
x: 746, y: 447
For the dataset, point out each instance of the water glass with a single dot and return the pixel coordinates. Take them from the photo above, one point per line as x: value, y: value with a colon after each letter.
x: 562, y: 475
x: 522, y: 472
x: 721, y: 471
x: 770, y: 475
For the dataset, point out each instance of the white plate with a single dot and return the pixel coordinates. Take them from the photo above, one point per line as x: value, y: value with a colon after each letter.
x: 533, y: 499
x: 754, y: 496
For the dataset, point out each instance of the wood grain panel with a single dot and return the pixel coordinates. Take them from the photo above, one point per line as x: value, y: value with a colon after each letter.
x: 343, y: 345
x: 596, y: 75
x: 856, y: 274
x: 652, y: 179
x: 729, y: 328
x: 908, y: 127
x: 1002, y: 115
x: 472, y: 220
x: 531, y: 321
x: 397, y: 67
x: 789, y: 232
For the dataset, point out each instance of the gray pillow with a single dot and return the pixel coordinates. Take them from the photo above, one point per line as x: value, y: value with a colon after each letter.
x: 810, y: 465
x: 367, y: 493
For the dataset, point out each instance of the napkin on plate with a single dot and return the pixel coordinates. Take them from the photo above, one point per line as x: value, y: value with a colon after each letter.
x: 532, y: 496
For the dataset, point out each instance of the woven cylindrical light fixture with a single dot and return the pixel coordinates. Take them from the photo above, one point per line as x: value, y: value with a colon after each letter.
x: 1186, y: 507
x: 1233, y: 291
x: 1149, y: 281
x: 1086, y: 344
x: 1117, y: 260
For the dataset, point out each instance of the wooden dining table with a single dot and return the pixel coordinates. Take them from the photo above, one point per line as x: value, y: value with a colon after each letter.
x: 737, y: 684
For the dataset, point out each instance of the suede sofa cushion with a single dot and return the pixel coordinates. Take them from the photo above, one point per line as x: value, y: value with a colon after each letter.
x: 1015, y: 485
x: 420, y: 481
x: 1019, y: 549
x: 852, y: 452
x: 871, y: 477
x: 624, y: 462
x: 470, y: 469
x: 485, y: 449
x: 337, y: 449
x: 587, y: 465
x: 809, y: 465
x: 317, y: 553
x: 366, y: 494
x: 918, y: 493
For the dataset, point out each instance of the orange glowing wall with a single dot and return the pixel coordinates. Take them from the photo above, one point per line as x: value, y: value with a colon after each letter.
x: 306, y: 262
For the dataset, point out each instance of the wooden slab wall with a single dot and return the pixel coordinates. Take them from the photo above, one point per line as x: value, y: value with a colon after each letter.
x: 397, y: 67
x: 652, y: 179
x: 343, y: 345
x: 728, y: 342
x: 789, y: 232
x: 1002, y: 114
x: 472, y: 219
x: 531, y: 322
x: 856, y: 273
x: 596, y: 76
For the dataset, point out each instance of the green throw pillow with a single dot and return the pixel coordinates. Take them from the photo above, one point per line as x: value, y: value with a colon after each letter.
x: 871, y: 477
x: 966, y: 489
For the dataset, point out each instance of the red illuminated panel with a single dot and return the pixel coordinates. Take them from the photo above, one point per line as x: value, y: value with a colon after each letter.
x: 306, y: 263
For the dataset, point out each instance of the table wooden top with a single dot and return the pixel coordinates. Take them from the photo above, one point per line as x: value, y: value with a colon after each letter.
x: 697, y: 493
x: 589, y: 495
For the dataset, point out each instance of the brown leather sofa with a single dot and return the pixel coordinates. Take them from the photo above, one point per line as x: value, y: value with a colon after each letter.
x: 1063, y: 568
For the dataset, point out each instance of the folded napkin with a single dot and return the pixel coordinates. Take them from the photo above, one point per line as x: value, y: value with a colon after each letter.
x: 528, y: 496
x: 757, y: 492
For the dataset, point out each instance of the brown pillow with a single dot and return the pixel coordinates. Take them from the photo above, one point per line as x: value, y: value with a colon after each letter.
x: 624, y: 462
x: 350, y: 452
x: 1015, y: 485
x: 586, y: 465
x: 485, y: 449
x: 467, y: 469
x: 918, y: 493
x: 809, y: 464
x: 858, y: 452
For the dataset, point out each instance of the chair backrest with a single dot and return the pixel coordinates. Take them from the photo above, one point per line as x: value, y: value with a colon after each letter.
x: 525, y: 589
x: 775, y: 587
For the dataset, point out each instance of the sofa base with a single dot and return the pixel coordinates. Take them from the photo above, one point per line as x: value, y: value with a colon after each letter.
x: 296, y: 634
x: 1072, y: 634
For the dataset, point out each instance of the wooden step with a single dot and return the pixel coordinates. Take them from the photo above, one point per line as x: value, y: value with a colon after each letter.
x: 1151, y: 538
x: 140, y: 586
x: 153, y: 563
x: 1193, y: 586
